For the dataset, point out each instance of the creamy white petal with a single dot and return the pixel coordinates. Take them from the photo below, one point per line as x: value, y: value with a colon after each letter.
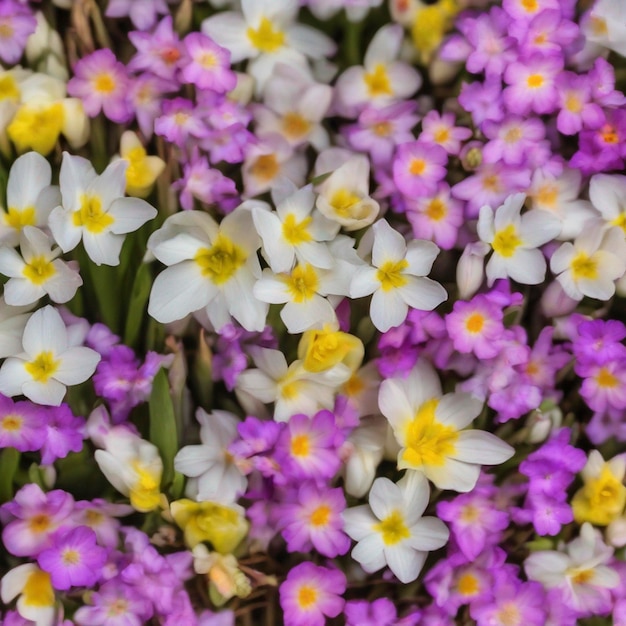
x: 11, y: 263
x: 388, y: 309
x: 63, y: 230
x: 50, y: 393
x: 111, y: 184
x: 421, y: 293
x: 420, y: 256
x: 13, y: 375
x: 130, y: 214
x: 45, y: 330
x: 359, y: 521
x: 364, y: 282
x: 103, y: 248
x: 29, y: 174
x: 458, y: 410
x: 21, y: 291
x: 539, y: 227
x: 76, y: 175
x: 77, y: 365
x: 385, y: 497
x: 478, y: 446
x: 527, y: 267
x: 389, y: 244
x: 313, y: 313
x: 406, y: 564
x: 193, y: 460
x: 63, y: 285
x: 453, y: 474
x: 428, y: 533
x: 369, y: 552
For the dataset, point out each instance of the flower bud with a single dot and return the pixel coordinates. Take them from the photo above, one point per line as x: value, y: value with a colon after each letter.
x: 470, y: 271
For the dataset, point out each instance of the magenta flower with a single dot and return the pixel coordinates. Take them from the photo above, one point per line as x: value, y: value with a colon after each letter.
x: 440, y: 129
x: 180, y: 120
x: 102, y: 84
x: 577, y: 110
x: 604, y: 386
x: 599, y: 341
x: 142, y: 13
x: 100, y: 515
x: 418, y: 167
x: 64, y: 433
x: 310, y: 593
x: 513, y: 140
x: 209, y: 64
x: 145, y: 96
x: 16, y: 23
x: 483, y: 100
x: 546, y: 33
x: 21, y: 425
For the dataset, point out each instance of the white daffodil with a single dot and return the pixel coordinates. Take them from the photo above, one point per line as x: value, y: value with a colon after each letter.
x: 381, y: 79
x: 30, y: 197
x: 579, y: 569
x: 344, y: 195
x: 608, y: 195
x: 356, y: 10
x: 48, y: 362
x: 211, y: 267
x: 10, y: 87
x: 36, y: 602
x: 292, y: 389
x: 515, y: 239
x: 397, y: 279
x: 432, y: 430
x: 133, y: 466
x: 12, y: 323
x: 95, y: 210
x: 295, y: 231
x: 213, y: 475
x: 266, y: 31
x: 606, y: 25
x: 592, y: 263
x: 391, y: 530
x: 38, y: 272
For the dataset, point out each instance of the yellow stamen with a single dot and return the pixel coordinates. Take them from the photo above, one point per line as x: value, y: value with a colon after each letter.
x: 43, y: 367
x: 321, y: 515
x: 91, y: 215
x: 377, y: 81
x: 295, y: 232
x: 300, y: 446
x: 17, y: 219
x: 390, y: 274
x: 265, y: 167
x: 303, y: 283
x: 266, y: 38
x: 393, y: 529
x: 506, y: 241
x: 220, y: 262
x: 39, y: 270
x: 584, y: 266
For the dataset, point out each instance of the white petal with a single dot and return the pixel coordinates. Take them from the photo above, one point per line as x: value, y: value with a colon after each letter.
x: 394, y: 404
x: 389, y: 244
x: 539, y: 227
x: 271, y: 289
x: 12, y: 377
x: 45, y: 331
x: 420, y: 256
x: 77, y: 365
x: 192, y: 460
x: 388, y: 309
x: 103, y: 248
x: 180, y: 247
x: 313, y: 313
x: 228, y: 30
x: 385, y: 46
x: 385, y: 497
x: 478, y: 446
x: 405, y: 563
x: 111, y: 184
x: 20, y: 291
x: 130, y: 214
x: 29, y: 174
x: 63, y: 230
x: 458, y: 410
x: 50, y: 393
x: 11, y: 263
x: 75, y: 177
x: 364, y: 282
x: 248, y: 310
x: 369, y: 553
x: 454, y: 475
x: 63, y: 285
x: 14, y: 581
x: 527, y: 267
x: 421, y: 293
x: 358, y: 521
x: 428, y: 534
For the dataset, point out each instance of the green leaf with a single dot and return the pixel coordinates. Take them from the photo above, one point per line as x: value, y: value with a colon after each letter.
x: 163, y: 432
x: 9, y: 461
x: 137, y: 305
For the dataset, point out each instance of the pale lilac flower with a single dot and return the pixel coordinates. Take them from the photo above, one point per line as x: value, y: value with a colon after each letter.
x: 64, y: 433
x: 100, y: 515
x: 145, y: 95
x: 547, y: 32
x: 142, y: 13
x: 512, y: 139
x: 21, y: 425
x: 180, y: 121
x: 440, y: 129
x: 483, y: 100
x: 209, y: 64
x: 17, y: 22
x: 418, y: 167
x: 577, y: 109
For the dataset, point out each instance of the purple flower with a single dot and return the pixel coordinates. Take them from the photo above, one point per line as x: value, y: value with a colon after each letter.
x: 145, y: 96
x: 143, y: 13
x: 380, y: 612
x: 64, y: 433
x: 599, y: 341
x: 180, y: 121
x: 21, y: 425
x: 483, y: 100
x: 440, y: 129
x: 16, y: 23
x: 418, y: 167
x: 604, y: 386
x: 209, y: 64
x: 513, y: 140
x: 100, y: 515
x: 577, y: 110
x: 547, y: 32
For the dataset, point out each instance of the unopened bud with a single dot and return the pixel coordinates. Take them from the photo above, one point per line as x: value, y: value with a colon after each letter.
x: 470, y: 271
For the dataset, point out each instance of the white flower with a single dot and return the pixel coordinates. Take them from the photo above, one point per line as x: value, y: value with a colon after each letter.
x: 432, y: 430
x: 607, y: 25
x: 38, y: 273
x: 95, y: 210
x: 592, y: 263
x: 397, y: 279
x: 48, y: 362
x: 213, y: 474
x: 608, y: 195
x: 36, y: 600
x: 391, y: 530
x: 12, y: 323
x: 211, y: 267
x: 515, y: 239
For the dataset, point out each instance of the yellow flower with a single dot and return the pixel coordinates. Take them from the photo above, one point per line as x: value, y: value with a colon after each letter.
x: 320, y: 350
x: 430, y: 25
x: 142, y: 170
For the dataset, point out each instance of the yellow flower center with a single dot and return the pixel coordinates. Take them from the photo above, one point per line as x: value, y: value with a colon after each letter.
x: 509, y: 615
x: 534, y: 81
x: 581, y: 577
x: 117, y: 607
x: 427, y: 441
x: 300, y: 446
x: 321, y: 515
x: 584, y: 266
x: 506, y: 241
x: 442, y: 135
x: 220, y: 262
x: 470, y: 513
x: 605, y: 379
x: 11, y: 423
x: 6, y: 29
x: 609, y: 135
x: 573, y: 103
x: 322, y: 349
x: 39, y: 523
x: 598, y: 26
x: 91, y: 216
x: 620, y: 221
x: 307, y: 596
x: 18, y: 219
x: 104, y: 83
x: 390, y: 275
x: 513, y: 134
x: 530, y: 5
x: 138, y: 174
x: 265, y: 167
x: 207, y: 60
x: 70, y: 557
x: 382, y: 129
x: 39, y: 270
x: 393, y: 529
x: 468, y: 585
x: 8, y: 88
x: 37, y: 128
x: 266, y: 38
x: 343, y: 201
x: 38, y: 590
x: 491, y: 183
x: 295, y: 232
x: 436, y: 210
x: 303, y: 283
x: 294, y: 125
x: 377, y: 81
x: 417, y: 167
x: 43, y: 367
x: 547, y: 195
x: 145, y: 494
x: 475, y: 323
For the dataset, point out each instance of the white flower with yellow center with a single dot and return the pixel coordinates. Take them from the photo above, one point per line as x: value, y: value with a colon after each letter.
x: 592, y: 263
x: 432, y: 430
x: 12, y: 323
x: 143, y: 169
x: 391, y: 530
x: 608, y: 195
x: 211, y: 267
x: 95, y: 210
x: 515, y: 238
x: 30, y: 197
x: 38, y: 272
x: 397, y: 280
x: 36, y: 601
x: 48, y: 362
x: 10, y: 97
x: 344, y: 195
x: 133, y: 466
x: 295, y: 231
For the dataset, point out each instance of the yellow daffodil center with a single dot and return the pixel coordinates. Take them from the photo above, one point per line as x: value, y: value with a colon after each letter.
x: 8, y: 88
x: 37, y: 128
x: 547, y: 195
x: 295, y: 232
x: 294, y: 125
x: 307, y: 596
x: 220, y: 262
x: 39, y: 270
x: 601, y: 500
x: 377, y: 81
x: 320, y: 515
x: 265, y: 167
x: 584, y: 266
x: 104, y: 83
x: 38, y: 590
x: 468, y: 585
x: 581, y: 577
x: 506, y: 241
x: 138, y: 173
x: 43, y: 367
x: 322, y: 349
x: 145, y: 494
x: 436, y: 210
x: 300, y: 446
x: 303, y: 283
x: 393, y: 529
x: 91, y: 216
x: 390, y: 274
x: 620, y: 221
x: 11, y: 423
x: 430, y: 25
x: 17, y: 219
x: 427, y: 441
x: 343, y: 201
x: 266, y: 38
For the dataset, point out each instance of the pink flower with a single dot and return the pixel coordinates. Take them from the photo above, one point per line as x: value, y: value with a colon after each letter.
x: 209, y: 66
x: 418, y: 167
x: 21, y: 425
x: 16, y: 23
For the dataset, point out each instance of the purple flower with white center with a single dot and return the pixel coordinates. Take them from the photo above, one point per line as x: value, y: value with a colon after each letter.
x: 180, y: 121
x: 512, y: 140
x: 115, y: 604
x: 532, y: 84
x: 74, y: 559
x: 307, y: 447
x: 418, y: 167
x: 209, y: 64
x: 21, y: 425
x: 17, y: 22
x: 255, y: 448
x: 548, y: 515
x: 160, y: 52
x: 145, y: 95
x: 314, y: 520
x: 64, y: 433
x: 310, y: 593
x: 101, y: 82
x: 527, y: 10
x: 577, y: 110
x: 483, y: 100
x: 100, y: 515
x: 546, y: 33
x: 604, y: 386
x: 602, y: 82
x: 142, y: 13
x: 439, y: 128
x: 34, y: 516
x: 599, y: 341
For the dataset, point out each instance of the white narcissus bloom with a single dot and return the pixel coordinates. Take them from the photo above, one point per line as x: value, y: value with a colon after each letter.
x: 592, y: 263
x: 95, y: 209
x: 12, y: 323
x: 36, y: 601
x: 30, y: 197
x: 608, y: 195
x: 606, y: 25
x: 397, y: 280
x: 432, y: 430
x: 211, y: 267
x: 38, y: 272
x: 213, y: 475
x: 515, y: 239
x: 48, y: 363
x: 391, y: 530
